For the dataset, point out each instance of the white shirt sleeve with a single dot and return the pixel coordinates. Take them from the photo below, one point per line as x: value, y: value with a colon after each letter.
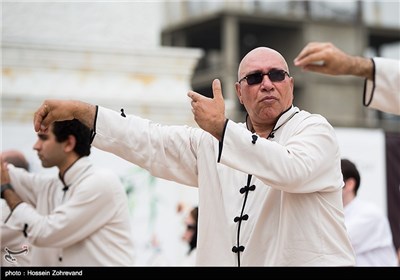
x: 384, y: 92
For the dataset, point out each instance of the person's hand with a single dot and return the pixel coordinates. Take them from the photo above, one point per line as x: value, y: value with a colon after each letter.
x: 60, y: 110
x: 11, y: 197
x: 324, y: 58
x: 5, y: 177
x: 209, y: 113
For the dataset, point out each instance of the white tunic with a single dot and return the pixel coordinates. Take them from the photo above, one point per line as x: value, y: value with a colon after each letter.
x: 384, y: 92
x: 370, y: 234
x: 88, y: 224
x: 295, y: 213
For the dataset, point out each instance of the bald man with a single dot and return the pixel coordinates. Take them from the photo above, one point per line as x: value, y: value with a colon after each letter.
x: 270, y: 188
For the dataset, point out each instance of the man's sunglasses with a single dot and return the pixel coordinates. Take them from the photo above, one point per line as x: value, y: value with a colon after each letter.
x: 274, y: 75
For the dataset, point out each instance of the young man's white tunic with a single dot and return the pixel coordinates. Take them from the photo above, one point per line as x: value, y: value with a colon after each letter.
x: 88, y: 223
x: 370, y: 234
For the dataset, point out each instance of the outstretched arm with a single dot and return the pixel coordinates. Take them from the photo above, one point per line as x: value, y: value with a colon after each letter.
x: 326, y: 58
x: 59, y: 110
x: 209, y: 113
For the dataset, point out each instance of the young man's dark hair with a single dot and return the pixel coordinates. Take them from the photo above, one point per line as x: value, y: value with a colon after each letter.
x: 74, y: 127
x: 193, y: 242
x: 349, y: 170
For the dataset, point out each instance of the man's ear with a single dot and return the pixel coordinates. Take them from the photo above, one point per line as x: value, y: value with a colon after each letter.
x: 70, y: 143
x: 350, y: 184
x: 239, y: 92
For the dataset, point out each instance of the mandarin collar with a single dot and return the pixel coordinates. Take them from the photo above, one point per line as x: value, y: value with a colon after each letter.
x: 285, y: 116
x: 282, y: 119
x: 75, y: 171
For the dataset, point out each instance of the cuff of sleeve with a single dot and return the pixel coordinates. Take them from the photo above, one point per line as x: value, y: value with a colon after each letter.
x: 369, y: 87
x: 5, y: 187
x: 15, y: 215
x: 221, y: 143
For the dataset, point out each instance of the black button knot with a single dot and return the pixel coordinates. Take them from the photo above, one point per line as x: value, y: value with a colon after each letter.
x: 244, y: 218
x: 272, y: 135
x: 247, y: 188
x: 236, y: 249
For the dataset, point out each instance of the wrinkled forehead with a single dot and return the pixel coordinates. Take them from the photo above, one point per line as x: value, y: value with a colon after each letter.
x: 262, y: 59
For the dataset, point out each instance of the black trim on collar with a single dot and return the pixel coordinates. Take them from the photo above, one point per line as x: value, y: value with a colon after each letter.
x: 66, y: 170
x: 280, y: 115
x: 94, y: 125
x: 272, y: 133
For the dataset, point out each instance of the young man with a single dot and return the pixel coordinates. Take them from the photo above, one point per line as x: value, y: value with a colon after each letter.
x: 368, y: 227
x: 190, y: 236
x: 269, y: 188
x: 80, y: 217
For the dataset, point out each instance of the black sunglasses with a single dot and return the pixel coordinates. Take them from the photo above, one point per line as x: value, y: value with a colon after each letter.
x: 274, y: 75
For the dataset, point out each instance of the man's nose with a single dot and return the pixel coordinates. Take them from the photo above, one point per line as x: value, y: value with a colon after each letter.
x: 266, y: 82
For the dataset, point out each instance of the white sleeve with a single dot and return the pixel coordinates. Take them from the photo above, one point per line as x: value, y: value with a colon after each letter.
x: 168, y: 152
x: 304, y: 162
x: 384, y: 92
x: 73, y: 220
